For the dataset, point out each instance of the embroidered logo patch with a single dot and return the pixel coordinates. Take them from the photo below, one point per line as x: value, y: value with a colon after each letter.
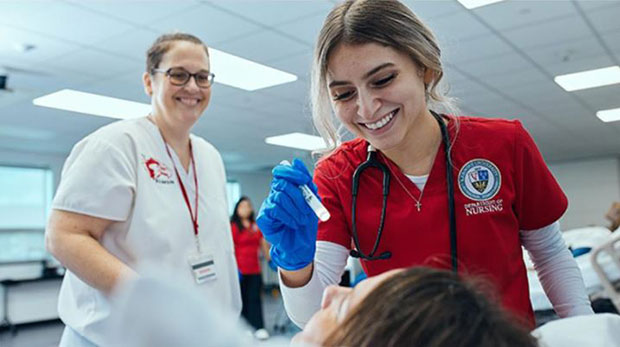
x: 479, y: 180
x: 158, y: 171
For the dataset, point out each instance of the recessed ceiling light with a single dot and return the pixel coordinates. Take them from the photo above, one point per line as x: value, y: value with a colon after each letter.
x: 589, y: 79
x: 242, y: 73
x: 297, y: 140
x: 610, y: 115
x: 93, y: 104
x: 471, y: 4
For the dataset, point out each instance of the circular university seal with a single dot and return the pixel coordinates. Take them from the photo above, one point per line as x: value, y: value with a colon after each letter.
x: 479, y: 179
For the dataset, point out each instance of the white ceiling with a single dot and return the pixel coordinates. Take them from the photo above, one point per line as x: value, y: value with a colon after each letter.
x: 500, y: 61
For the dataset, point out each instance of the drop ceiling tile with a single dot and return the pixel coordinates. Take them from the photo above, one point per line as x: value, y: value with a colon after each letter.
x: 428, y: 9
x: 605, y: 19
x: 496, y: 65
x: 44, y: 47
x: 595, y: 5
x: 263, y: 46
x: 456, y: 27
x: 601, y: 98
x: 96, y: 63
x: 525, y: 77
x: 138, y: 12
x: 518, y: 14
x: 484, y: 47
x: 569, y: 57
x: 549, y: 33
x: 299, y: 64
x: 60, y: 20
x: 272, y: 13
x: 131, y: 44
x: 211, y: 25
x: 306, y: 30
x: 612, y: 40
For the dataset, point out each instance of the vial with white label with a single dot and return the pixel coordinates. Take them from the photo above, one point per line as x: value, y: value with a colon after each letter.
x: 311, y: 199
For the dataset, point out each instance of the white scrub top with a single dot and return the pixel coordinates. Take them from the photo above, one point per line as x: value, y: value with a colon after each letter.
x: 123, y: 173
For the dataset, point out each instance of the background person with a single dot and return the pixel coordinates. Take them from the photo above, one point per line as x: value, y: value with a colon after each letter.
x: 249, y: 243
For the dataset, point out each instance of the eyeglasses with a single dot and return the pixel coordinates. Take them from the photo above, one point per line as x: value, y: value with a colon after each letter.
x: 178, y: 76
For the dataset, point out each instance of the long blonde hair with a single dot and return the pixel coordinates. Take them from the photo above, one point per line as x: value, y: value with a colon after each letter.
x: 386, y: 22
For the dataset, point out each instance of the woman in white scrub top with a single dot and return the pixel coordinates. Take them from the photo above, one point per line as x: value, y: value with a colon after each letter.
x: 145, y: 191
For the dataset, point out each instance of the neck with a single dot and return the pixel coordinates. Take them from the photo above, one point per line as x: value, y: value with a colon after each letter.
x: 175, y: 137
x: 416, y: 154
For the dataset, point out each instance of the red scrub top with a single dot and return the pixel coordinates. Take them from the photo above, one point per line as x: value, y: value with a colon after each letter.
x: 501, y: 185
x: 247, y: 245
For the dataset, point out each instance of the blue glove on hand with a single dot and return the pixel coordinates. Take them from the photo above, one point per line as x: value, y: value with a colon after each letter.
x: 286, y: 220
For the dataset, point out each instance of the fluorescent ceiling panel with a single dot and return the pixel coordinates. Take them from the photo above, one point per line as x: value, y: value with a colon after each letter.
x: 93, y: 104
x: 297, y: 140
x: 611, y: 115
x: 471, y: 4
x: 238, y: 72
x: 589, y: 79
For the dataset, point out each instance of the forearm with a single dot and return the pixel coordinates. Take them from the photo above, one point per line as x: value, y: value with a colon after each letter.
x: 557, y: 270
x: 302, y: 301
x: 296, y: 279
x: 85, y: 257
x: 73, y: 239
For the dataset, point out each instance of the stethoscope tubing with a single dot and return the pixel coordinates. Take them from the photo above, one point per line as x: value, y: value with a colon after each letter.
x: 372, y: 161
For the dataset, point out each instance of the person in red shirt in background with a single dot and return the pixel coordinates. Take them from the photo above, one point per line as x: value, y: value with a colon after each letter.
x: 249, y: 242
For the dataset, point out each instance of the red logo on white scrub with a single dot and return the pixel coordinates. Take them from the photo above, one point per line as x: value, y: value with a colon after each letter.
x: 158, y: 171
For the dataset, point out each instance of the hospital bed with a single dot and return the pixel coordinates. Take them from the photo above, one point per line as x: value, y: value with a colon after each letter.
x: 583, y: 238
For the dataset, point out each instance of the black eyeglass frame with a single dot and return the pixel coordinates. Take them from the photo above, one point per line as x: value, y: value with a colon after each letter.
x: 189, y: 76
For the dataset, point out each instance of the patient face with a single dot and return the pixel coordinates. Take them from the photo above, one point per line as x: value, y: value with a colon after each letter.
x: 336, y: 304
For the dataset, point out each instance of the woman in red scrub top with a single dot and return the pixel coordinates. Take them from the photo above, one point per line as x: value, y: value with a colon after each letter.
x: 464, y: 193
x: 249, y: 243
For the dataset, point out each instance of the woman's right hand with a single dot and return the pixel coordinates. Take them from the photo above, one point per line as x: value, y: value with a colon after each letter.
x: 286, y: 220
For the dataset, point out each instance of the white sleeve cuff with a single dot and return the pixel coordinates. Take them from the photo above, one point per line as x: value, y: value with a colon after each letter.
x: 302, y: 302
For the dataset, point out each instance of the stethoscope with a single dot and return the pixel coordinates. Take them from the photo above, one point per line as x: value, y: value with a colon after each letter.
x: 371, y: 161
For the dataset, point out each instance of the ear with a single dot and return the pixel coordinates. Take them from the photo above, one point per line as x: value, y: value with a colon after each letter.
x: 429, y: 75
x: 148, y: 84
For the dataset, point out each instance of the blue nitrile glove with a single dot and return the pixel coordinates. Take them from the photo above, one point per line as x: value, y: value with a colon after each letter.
x: 286, y: 220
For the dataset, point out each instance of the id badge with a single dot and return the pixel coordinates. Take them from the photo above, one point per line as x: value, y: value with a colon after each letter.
x: 202, y: 267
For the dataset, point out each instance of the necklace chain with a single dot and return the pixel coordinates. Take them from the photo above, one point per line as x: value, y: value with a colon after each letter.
x: 418, y: 202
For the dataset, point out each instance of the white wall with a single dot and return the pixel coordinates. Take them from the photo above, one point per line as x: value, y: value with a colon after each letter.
x: 591, y: 186
x: 254, y: 185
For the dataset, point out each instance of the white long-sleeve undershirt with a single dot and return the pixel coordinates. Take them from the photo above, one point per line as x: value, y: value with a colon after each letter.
x: 557, y: 270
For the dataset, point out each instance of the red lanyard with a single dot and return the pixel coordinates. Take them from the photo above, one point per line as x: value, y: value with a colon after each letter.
x: 193, y: 216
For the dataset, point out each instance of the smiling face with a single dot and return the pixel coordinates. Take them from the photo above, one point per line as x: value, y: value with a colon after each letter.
x: 381, y: 97
x: 179, y: 105
x: 336, y: 304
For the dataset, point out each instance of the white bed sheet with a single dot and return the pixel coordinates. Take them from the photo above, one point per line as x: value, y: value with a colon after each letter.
x: 576, y: 238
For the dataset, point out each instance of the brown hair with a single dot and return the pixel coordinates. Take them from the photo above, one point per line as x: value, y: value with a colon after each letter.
x: 163, y: 44
x: 388, y: 23
x: 431, y: 308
